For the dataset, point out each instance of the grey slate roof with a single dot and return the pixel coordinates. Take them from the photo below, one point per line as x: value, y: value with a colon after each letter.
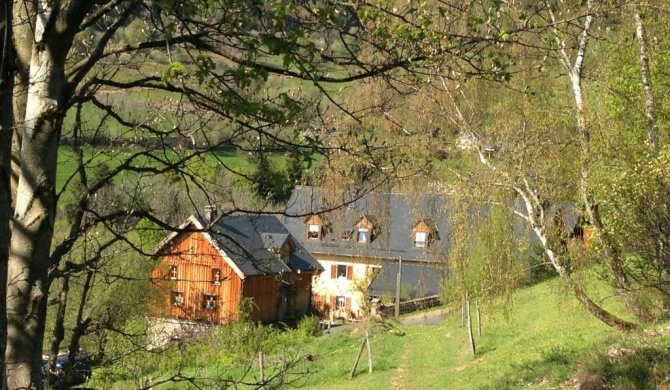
x: 417, y: 281
x: 394, y: 216
x: 249, y: 240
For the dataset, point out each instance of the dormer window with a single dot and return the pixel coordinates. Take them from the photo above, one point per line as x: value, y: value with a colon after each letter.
x: 424, y: 233
x: 420, y: 239
x: 314, y: 227
x: 363, y: 235
x: 314, y: 232
x: 365, y: 230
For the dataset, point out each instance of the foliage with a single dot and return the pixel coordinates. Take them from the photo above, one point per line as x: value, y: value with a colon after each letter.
x: 377, y: 89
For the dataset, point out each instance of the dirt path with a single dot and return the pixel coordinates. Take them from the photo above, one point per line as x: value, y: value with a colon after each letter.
x: 398, y: 378
x: 433, y: 318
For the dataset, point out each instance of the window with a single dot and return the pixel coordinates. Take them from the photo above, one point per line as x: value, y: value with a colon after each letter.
x: 341, y: 271
x: 363, y: 235
x: 209, y: 301
x: 340, y: 303
x: 420, y: 239
x: 192, y: 245
x: 216, y: 276
x: 177, y: 298
x: 314, y: 232
x: 173, y: 272
x: 346, y: 235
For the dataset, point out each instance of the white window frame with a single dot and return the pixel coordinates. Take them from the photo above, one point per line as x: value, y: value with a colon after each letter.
x: 363, y: 233
x: 216, y: 276
x: 421, y: 239
x: 173, y: 272
x: 340, y: 299
x: 314, y: 232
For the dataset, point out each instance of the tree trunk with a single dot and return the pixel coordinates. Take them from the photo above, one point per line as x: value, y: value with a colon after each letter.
x: 574, y: 69
x: 32, y: 232
x: 59, y: 328
x: 579, y: 293
x: 6, y: 134
x: 538, y: 227
x: 43, y: 32
x: 82, y: 325
x: 645, y: 77
x: 34, y: 214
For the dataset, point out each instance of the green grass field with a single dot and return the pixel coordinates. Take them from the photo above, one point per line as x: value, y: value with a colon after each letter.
x: 543, y: 342
x: 67, y: 163
x: 536, y: 345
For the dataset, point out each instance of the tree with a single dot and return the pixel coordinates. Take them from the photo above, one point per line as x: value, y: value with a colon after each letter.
x: 527, y: 182
x: 545, y: 134
x: 63, y: 63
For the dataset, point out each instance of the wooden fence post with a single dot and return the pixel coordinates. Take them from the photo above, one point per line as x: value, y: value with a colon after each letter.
x: 470, y: 335
x: 358, y: 358
x: 261, y: 366
x: 367, y: 342
x: 479, y: 320
x: 463, y: 314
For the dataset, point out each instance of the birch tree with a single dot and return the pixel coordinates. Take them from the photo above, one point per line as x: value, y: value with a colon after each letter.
x: 538, y: 143
x: 565, y: 34
x: 61, y: 60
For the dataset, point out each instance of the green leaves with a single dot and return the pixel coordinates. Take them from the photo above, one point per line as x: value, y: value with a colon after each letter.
x: 174, y: 70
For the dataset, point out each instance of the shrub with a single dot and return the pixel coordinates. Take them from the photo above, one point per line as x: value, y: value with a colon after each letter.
x: 310, y: 326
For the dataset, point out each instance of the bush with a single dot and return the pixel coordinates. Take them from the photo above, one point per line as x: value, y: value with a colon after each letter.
x: 310, y: 326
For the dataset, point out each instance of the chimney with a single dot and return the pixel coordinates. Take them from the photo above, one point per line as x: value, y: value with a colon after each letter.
x: 209, y: 214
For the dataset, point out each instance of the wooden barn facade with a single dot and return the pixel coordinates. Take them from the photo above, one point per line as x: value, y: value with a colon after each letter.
x: 208, y: 272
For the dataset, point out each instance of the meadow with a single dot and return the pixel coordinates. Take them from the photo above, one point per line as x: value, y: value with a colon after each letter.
x: 543, y: 341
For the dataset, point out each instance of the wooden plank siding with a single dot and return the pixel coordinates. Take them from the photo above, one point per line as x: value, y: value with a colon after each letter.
x: 302, y: 296
x: 195, y: 259
x: 274, y: 297
x: 264, y: 291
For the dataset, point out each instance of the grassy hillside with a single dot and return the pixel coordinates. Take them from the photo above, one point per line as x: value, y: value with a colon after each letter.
x: 544, y: 342
x: 233, y: 160
x: 537, y: 345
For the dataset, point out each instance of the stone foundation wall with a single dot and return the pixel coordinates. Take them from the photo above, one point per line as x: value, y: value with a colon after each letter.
x: 163, y: 331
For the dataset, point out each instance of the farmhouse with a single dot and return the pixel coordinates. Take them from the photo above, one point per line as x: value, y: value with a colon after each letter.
x: 210, y: 267
x: 360, y: 245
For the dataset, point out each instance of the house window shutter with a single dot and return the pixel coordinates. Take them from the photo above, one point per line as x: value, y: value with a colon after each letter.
x: 350, y: 272
x: 347, y: 304
x: 333, y: 271
x: 333, y: 303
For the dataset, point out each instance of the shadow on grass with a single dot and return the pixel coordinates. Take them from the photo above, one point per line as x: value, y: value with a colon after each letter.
x: 554, y: 365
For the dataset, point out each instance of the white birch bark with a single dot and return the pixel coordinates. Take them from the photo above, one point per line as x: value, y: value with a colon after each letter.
x: 35, y: 199
x: 575, y: 68
x: 645, y: 77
